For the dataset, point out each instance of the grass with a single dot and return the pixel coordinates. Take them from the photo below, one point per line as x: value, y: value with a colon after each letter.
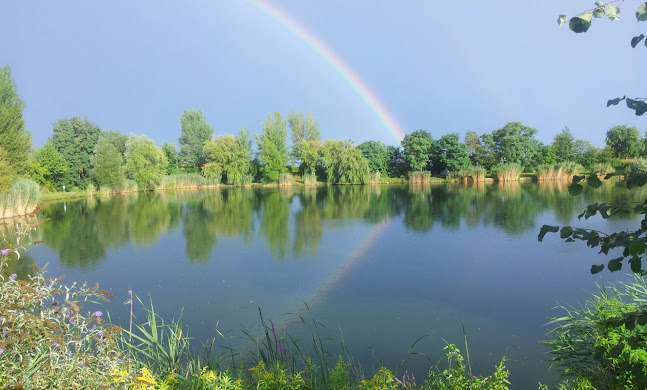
x: 182, y: 180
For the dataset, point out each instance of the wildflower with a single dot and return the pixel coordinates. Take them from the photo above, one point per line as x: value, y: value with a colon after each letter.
x: 73, y: 321
x: 13, y: 276
x: 1, y: 351
x: 5, y: 252
x: 97, y: 314
x: 100, y: 334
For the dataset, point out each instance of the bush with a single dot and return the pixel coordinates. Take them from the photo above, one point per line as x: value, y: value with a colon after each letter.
x: 604, y: 341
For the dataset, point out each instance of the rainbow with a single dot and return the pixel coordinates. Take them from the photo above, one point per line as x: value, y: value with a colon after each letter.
x: 351, y: 78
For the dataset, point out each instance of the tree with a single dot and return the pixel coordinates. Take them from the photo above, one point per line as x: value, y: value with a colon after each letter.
x: 564, y: 146
x: 516, y: 143
x: 49, y: 168
x: 272, y: 147
x: 302, y: 129
x: 344, y: 163
x: 195, y: 132
x: 6, y: 172
x: 472, y: 143
x: 107, y: 169
x: 172, y: 157
x: 397, y: 166
x: 145, y: 162
x: 585, y: 153
x: 228, y: 157
x: 581, y: 22
x: 75, y: 139
x: 624, y: 141
x: 452, y: 154
x: 310, y: 155
x: 118, y: 140
x: 417, y: 149
x: 14, y: 138
x: 377, y: 155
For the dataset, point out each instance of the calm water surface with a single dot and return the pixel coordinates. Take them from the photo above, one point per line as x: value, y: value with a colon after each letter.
x: 378, y: 266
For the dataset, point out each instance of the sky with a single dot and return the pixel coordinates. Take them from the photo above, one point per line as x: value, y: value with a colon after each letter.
x: 366, y: 70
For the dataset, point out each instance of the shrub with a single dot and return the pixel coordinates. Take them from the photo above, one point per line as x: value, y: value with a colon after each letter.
x: 285, y: 179
x: 507, y: 171
x: 604, y: 340
x: 419, y: 177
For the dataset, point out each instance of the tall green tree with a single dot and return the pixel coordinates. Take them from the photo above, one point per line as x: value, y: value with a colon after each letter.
x: 6, y: 172
x: 472, y: 143
x: 452, y: 154
x: 516, y: 143
x: 107, y: 167
x: 272, y: 148
x: 417, y: 149
x: 14, y: 138
x: 145, y: 162
x: 118, y: 140
x: 49, y: 168
x: 564, y: 146
x: 377, y: 155
x: 624, y: 141
x: 302, y: 128
x: 172, y: 157
x: 585, y: 153
x: 195, y: 132
x: 397, y: 166
x: 75, y: 139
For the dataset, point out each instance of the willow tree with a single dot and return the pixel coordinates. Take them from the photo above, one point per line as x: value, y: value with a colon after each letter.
x: 303, y: 128
x: 75, y: 139
x: 195, y: 132
x: 14, y: 138
x: 145, y: 162
x: 229, y: 157
x: 344, y: 163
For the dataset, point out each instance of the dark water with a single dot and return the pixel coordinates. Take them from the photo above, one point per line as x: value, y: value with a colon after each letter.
x: 379, y: 266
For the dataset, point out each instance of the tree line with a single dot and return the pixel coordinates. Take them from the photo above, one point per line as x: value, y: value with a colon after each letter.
x: 80, y: 154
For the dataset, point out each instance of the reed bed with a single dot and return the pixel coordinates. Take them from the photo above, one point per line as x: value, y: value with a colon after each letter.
x: 564, y: 171
x: 373, y: 178
x: 602, y: 168
x: 285, y: 179
x: 507, y: 172
x: 310, y: 179
x: 182, y: 180
x: 477, y: 173
x: 419, y: 177
x: 22, y: 199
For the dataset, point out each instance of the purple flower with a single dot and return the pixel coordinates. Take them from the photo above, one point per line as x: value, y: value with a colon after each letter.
x: 94, y: 326
x: 13, y: 276
x: 5, y: 252
x: 73, y: 321
x: 97, y: 314
x: 5, y: 330
x: 100, y: 334
x: 281, y: 349
x: 1, y: 351
x: 267, y: 353
x: 273, y: 331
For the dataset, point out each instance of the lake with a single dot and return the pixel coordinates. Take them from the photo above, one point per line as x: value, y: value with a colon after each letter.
x: 378, y: 266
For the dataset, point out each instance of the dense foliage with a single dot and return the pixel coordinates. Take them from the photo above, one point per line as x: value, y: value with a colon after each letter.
x: 14, y: 137
x: 195, y: 132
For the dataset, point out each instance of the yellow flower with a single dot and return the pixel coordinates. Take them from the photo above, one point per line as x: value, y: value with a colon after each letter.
x: 145, y: 381
x: 119, y: 376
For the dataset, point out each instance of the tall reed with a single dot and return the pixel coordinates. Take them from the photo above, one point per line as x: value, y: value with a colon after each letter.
x: 310, y: 179
x: 419, y: 177
x: 477, y: 173
x: 285, y: 179
x: 182, y: 180
x: 507, y: 172
x: 563, y: 171
x: 23, y: 198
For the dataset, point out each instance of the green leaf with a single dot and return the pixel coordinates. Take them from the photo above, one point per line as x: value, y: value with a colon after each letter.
x: 546, y: 229
x: 580, y: 24
x: 575, y: 189
x: 599, y: 4
x: 598, y: 12
x: 614, y: 102
x: 595, y: 269
x: 566, y: 232
x: 615, y: 264
x: 642, y: 318
x: 641, y: 13
x: 561, y: 20
x: 594, y: 181
x: 577, y: 179
x: 636, y: 265
x: 636, y: 248
x: 613, y: 12
x: 637, y: 105
x: 636, y: 40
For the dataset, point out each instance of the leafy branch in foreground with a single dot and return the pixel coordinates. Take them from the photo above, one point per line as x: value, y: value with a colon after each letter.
x: 581, y: 23
x: 633, y: 243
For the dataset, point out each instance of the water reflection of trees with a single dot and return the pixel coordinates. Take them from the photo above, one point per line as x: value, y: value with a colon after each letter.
x: 292, y: 220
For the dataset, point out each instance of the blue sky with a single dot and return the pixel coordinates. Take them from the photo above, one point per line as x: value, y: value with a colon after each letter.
x: 134, y: 66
